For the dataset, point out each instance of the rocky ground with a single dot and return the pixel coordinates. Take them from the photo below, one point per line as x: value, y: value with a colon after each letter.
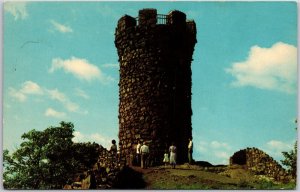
x: 196, y: 177
x: 109, y: 174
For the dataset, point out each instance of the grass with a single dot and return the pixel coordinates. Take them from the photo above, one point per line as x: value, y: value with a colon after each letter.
x: 182, y: 179
x: 270, y: 185
x: 205, y: 185
x: 200, y: 185
x: 161, y: 185
x: 265, y: 185
x: 244, y: 184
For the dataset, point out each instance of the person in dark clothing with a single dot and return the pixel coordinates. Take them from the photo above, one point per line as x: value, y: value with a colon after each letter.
x: 113, y: 147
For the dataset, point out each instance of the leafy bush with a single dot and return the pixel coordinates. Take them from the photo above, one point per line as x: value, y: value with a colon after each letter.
x: 47, y: 159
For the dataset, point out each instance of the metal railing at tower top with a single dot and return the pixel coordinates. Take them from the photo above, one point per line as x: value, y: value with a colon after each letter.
x: 161, y: 19
x: 137, y: 20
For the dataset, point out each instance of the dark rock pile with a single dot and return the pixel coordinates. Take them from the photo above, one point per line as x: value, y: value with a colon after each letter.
x: 103, y: 175
x: 259, y: 163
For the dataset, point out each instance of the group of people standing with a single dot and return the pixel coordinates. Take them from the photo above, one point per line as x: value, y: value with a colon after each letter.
x: 173, y: 150
x: 142, y: 154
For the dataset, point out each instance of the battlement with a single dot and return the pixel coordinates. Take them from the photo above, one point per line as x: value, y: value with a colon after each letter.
x: 149, y: 17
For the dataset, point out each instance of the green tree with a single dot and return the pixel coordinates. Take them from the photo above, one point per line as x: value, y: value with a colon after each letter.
x: 47, y: 159
x: 290, y: 159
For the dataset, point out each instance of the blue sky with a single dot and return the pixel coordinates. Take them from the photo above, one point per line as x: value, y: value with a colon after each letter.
x: 60, y: 64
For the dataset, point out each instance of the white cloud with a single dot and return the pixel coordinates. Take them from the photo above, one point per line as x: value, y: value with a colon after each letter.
x: 32, y: 88
x: 222, y: 155
x: 62, y: 98
x: 57, y: 95
x: 273, y: 68
x: 80, y: 68
x: 78, y: 137
x: 224, y: 162
x: 100, y: 139
x: 201, y: 147
x: 81, y: 93
x: 279, y: 145
x: 17, y: 9
x: 28, y: 88
x: 17, y: 94
x: 275, y: 147
x: 218, y: 145
x: 111, y: 65
x: 95, y: 137
x: 217, y: 152
x: 60, y: 27
x: 52, y: 113
x: 73, y: 107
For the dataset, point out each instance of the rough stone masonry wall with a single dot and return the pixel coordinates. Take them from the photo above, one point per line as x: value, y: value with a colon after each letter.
x: 155, y: 81
x: 103, y: 175
x: 260, y: 163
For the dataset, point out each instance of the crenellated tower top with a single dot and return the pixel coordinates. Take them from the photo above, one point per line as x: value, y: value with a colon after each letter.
x: 150, y: 18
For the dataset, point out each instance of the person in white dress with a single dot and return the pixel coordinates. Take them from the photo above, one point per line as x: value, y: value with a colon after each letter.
x: 190, y: 150
x: 172, y: 150
x: 166, y: 158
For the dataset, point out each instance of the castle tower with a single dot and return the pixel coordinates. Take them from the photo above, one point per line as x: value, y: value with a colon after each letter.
x: 155, y: 54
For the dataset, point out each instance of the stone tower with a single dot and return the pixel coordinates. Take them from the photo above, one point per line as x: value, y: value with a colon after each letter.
x: 155, y: 54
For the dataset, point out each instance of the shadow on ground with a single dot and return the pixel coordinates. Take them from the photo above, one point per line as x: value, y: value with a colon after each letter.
x: 129, y: 179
